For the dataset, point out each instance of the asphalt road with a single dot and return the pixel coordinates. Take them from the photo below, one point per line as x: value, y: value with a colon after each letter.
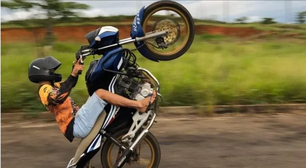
x: 257, y: 141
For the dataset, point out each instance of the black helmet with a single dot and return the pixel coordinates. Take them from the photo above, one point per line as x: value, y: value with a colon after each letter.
x: 42, y: 69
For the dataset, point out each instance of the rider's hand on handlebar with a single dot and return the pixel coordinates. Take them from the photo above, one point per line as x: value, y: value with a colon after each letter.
x: 84, y: 51
x: 145, y: 103
x: 77, y: 67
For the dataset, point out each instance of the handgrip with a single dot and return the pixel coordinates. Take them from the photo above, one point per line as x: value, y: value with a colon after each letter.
x: 81, y: 63
x: 82, y: 53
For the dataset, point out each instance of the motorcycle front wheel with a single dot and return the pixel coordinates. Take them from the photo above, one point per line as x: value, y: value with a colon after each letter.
x: 172, y: 16
x: 138, y: 159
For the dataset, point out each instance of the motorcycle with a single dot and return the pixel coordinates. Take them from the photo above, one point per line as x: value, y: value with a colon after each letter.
x: 118, y: 72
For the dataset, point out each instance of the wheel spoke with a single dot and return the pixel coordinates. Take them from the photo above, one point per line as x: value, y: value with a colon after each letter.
x: 138, y: 162
x: 119, y: 154
x: 144, y: 162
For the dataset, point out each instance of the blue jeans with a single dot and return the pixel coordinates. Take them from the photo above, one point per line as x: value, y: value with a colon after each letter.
x: 87, y: 115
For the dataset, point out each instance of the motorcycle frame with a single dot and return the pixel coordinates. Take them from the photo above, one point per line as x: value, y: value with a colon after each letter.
x: 151, y: 112
x: 138, y: 39
x: 127, y: 151
x: 129, y: 40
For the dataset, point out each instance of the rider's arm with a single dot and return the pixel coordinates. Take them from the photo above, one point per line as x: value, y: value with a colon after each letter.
x: 53, y: 96
x: 64, y: 90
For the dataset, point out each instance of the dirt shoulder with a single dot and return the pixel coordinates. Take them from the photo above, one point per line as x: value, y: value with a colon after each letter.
x: 240, y: 141
x: 175, y: 111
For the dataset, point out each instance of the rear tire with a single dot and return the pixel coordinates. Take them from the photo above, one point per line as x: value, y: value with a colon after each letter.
x: 188, y: 18
x: 150, y: 138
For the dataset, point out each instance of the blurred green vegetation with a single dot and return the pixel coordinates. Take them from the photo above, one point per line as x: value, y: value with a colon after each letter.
x: 127, y: 20
x: 215, y: 71
x: 280, y: 29
x: 118, y: 19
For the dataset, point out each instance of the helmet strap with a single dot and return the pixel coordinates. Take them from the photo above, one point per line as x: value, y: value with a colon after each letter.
x: 52, y: 83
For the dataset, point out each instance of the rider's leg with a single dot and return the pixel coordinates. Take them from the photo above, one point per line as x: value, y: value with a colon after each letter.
x: 89, y: 112
x: 84, y: 143
x: 118, y: 100
x: 87, y: 115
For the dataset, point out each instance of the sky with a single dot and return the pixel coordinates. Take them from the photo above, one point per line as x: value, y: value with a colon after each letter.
x: 224, y: 10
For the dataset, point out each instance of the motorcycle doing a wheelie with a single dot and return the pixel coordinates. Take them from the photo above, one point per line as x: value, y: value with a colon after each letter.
x: 158, y: 37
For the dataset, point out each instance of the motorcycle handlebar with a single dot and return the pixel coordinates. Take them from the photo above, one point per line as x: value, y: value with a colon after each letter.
x: 82, y: 54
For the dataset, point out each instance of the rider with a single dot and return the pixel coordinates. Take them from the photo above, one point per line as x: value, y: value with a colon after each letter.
x: 72, y: 120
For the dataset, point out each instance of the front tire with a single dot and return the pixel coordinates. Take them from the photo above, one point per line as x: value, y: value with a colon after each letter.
x: 150, y: 139
x: 188, y: 20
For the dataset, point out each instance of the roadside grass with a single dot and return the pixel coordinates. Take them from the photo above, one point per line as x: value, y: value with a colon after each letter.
x: 215, y: 71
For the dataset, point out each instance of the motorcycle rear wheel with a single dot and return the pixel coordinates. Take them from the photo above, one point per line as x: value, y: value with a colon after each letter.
x: 150, y: 139
x: 184, y: 15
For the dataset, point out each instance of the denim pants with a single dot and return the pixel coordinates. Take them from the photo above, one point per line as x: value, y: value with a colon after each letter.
x: 87, y: 115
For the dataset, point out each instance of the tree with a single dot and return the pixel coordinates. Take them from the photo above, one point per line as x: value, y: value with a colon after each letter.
x: 54, y: 11
x: 241, y: 20
x: 268, y: 21
x: 26, y: 6
x: 301, y: 17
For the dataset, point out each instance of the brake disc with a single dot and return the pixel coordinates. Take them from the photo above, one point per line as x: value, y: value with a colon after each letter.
x: 172, y: 26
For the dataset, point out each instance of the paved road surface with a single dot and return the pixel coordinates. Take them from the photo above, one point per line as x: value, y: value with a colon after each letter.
x: 258, y: 141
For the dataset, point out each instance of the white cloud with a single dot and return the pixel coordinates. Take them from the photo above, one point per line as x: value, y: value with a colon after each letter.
x: 255, y: 10
x: 94, y: 12
x: 21, y: 15
x: 254, y: 19
x: 221, y: 10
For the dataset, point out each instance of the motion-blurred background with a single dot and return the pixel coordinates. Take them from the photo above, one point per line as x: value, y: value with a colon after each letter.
x: 244, y: 52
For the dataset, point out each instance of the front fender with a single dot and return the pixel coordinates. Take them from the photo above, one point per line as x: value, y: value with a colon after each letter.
x: 137, y: 31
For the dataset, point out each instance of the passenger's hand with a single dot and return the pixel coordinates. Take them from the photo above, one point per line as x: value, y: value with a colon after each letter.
x: 77, y: 67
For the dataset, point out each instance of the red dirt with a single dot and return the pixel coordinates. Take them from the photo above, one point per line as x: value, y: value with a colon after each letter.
x: 77, y: 33
x: 227, y: 31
